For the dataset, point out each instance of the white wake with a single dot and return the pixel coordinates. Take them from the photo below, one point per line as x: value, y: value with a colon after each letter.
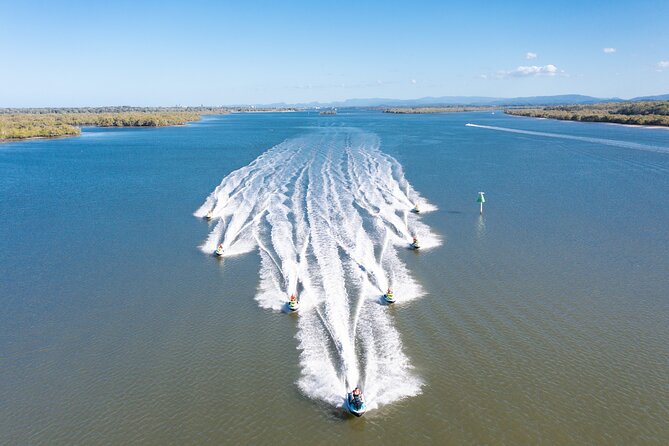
x: 608, y: 142
x: 328, y: 212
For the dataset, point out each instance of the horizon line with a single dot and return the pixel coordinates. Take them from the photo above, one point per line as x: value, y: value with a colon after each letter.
x: 319, y: 102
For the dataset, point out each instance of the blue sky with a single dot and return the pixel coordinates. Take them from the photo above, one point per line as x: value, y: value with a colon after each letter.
x: 75, y: 53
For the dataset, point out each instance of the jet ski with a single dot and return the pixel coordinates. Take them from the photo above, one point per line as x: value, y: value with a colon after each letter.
x: 389, y: 297
x: 219, y: 251
x: 355, y: 402
x: 293, y: 303
x: 416, y: 209
x: 415, y: 244
x: 209, y: 216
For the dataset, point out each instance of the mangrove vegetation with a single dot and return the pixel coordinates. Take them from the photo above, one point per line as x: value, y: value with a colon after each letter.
x: 34, y: 125
x: 46, y: 122
x: 633, y: 113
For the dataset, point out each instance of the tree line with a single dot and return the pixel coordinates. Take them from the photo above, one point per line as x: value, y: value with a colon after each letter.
x: 635, y: 113
x: 31, y: 125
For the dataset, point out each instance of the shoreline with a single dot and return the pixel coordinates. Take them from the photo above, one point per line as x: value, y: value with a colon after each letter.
x: 185, y: 123
x: 641, y: 113
x: 636, y: 126
x: 436, y: 110
x: 257, y: 111
x: 30, y: 138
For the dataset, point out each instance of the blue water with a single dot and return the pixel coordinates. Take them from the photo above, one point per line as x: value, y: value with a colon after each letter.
x: 545, y: 320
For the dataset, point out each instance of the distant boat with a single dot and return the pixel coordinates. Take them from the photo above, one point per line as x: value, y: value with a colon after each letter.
x: 329, y: 112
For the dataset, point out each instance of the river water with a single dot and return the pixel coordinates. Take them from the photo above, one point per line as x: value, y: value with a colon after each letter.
x: 546, y: 320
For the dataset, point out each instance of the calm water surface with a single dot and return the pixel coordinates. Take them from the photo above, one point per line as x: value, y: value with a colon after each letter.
x: 544, y: 321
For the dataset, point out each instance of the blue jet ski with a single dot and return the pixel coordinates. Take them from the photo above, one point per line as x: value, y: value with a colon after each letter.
x: 355, y: 403
x: 389, y: 296
x: 416, y: 209
x: 293, y: 303
x: 415, y: 244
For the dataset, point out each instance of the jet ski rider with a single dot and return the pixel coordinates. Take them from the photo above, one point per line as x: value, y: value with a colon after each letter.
x: 357, y: 396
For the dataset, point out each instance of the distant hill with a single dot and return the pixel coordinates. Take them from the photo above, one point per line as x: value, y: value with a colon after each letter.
x: 443, y: 100
x: 565, y: 99
x: 553, y: 100
x: 388, y: 102
x: 659, y: 97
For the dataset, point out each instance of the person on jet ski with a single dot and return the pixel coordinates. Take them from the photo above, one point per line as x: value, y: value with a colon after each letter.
x: 357, y: 396
x: 292, y: 297
x: 389, y: 292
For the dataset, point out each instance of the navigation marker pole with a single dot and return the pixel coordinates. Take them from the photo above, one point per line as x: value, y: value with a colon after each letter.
x: 480, y: 200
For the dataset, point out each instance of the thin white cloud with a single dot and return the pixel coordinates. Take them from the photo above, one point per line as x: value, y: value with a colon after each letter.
x: 413, y: 81
x: 663, y: 65
x: 532, y: 70
x: 530, y: 56
x: 609, y: 50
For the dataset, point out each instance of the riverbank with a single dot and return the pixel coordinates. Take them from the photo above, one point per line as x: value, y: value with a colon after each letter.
x: 23, y: 124
x: 20, y: 126
x: 424, y: 110
x: 655, y: 113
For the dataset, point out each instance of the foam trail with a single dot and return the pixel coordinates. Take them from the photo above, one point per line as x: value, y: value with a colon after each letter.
x: 608, y: 142
x: 328, y: 212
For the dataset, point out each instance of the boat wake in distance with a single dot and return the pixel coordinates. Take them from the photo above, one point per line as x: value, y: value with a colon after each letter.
x: 608, y: 142
x: 328, y: 213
